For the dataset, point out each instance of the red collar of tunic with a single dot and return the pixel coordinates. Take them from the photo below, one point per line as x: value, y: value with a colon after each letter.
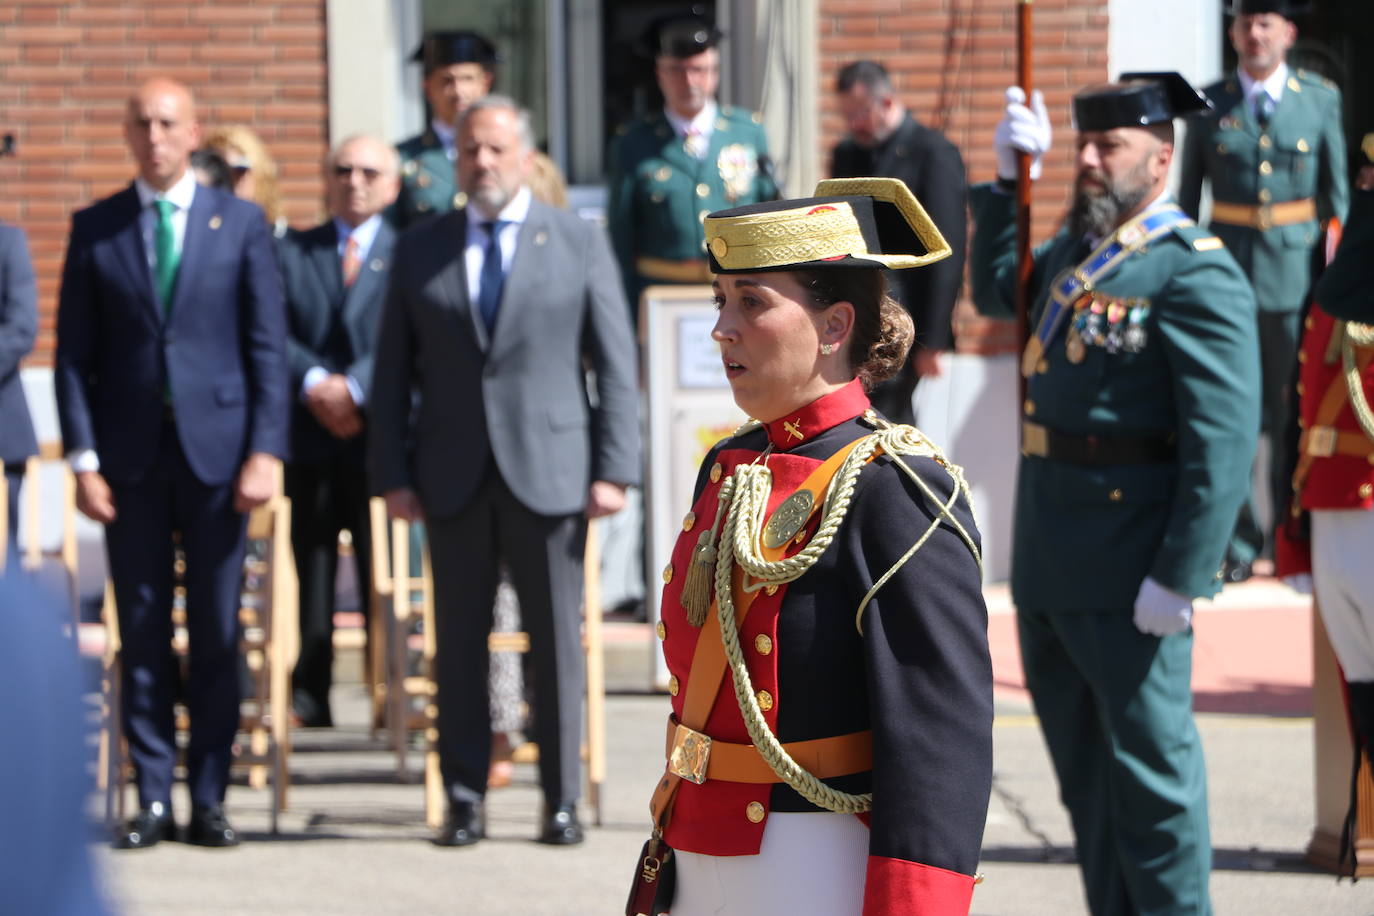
x: 808, y: 422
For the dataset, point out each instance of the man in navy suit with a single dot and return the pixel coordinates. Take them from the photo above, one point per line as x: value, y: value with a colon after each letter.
x: 18, y: 326
x: 335, y: 278
x: 172, y: 394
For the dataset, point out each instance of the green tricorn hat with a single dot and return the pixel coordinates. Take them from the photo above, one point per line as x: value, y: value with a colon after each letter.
x: 851, y: 222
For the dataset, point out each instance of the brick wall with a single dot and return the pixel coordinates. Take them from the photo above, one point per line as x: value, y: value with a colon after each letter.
x: 67, y: 67
x: 950, y: 61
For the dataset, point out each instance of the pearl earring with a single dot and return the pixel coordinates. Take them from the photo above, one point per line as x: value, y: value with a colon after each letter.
x: 827, y: 349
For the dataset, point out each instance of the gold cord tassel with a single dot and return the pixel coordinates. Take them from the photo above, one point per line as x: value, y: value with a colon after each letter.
x: 696, y: 591
x: 701, y: 572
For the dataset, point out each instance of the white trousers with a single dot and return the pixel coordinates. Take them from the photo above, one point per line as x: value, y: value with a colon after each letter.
x: 811, y: 863
x: 1343, y: 577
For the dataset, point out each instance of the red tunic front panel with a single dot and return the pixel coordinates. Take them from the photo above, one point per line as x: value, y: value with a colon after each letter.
x: 1337, y: 481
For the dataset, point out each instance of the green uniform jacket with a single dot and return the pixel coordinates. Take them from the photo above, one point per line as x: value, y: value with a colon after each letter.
x: 1346, y: 288
x: 659, y: 195
x: 428, y: 184
x: 1300, y: 155
x: 1085, y: 537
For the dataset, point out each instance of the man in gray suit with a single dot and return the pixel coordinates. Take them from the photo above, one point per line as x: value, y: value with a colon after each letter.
x: 18, y: 327
x: 492, y: 313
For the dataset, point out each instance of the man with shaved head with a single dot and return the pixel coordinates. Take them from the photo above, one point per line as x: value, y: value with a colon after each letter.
x: 171, y: 391
x: 335, y: 278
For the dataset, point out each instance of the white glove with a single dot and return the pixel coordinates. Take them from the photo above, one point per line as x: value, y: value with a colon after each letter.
x: 1160, y: 612
x: 1021, y: 129
x: 1300, y: 583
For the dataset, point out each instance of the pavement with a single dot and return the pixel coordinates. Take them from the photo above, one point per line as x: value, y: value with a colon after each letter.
x: 354, y: 839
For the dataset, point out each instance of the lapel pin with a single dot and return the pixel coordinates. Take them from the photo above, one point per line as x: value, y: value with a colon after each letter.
x: 216, y: 222
x: 541, y: 237
x: 376, y: 264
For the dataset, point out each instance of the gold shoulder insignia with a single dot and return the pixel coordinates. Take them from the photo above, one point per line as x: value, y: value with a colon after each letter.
x: 746, y: 426
x: 1294, y: 84
x: 756, y: 117
x: 1210, y: 243
x: 727, y: 110
x: 409, y: 168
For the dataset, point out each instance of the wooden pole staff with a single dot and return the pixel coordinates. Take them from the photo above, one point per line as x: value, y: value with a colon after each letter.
x: 1023, y: 197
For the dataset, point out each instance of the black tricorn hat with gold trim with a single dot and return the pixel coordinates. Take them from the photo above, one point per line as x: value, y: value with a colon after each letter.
x: 851, y: 222
x: 1137, y: 100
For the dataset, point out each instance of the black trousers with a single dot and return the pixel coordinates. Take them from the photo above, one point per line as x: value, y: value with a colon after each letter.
x: 168, y: 499
x: 326, y: 497
x: 1280, y: 334
x: 544, y: 555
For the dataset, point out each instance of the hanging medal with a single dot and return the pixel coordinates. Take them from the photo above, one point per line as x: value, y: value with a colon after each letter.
x: 1135, y: 330
x: 1074, y: 348
x: 1116, y: 311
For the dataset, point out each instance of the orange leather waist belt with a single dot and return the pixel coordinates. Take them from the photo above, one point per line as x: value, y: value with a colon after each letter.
x: 1325, y: 441
x: 697, y: 757
x: 1265, y: 216
x: 692, y: 270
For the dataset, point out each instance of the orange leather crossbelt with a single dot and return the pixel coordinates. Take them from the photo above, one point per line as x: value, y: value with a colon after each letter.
x: 824, y: 758
x: 1265, y: 216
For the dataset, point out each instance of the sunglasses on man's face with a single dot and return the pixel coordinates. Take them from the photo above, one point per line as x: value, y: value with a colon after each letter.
x: 346, y: 171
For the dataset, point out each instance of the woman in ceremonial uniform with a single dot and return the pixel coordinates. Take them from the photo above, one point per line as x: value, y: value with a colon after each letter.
x: 830, y: 747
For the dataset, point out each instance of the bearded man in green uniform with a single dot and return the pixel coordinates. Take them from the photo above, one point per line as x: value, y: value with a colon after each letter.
x: 459, y: 69
x: 670, y: 168
x: 1274, y: 152
x: 1138, y: 433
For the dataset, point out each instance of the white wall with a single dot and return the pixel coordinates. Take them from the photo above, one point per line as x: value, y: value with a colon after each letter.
x: 1181, y: 35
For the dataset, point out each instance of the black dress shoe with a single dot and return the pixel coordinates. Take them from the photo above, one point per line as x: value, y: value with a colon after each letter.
x: 209, y: 827
x: 561, y: 826
x: 151, y: 825
x: 465, y: 824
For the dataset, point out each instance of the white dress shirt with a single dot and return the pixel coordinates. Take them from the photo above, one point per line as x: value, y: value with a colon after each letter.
x: 474, y: 252
x: 447, y: 136
x: 704, y: 122
x: 1273, y: 85
x: 180, y: 195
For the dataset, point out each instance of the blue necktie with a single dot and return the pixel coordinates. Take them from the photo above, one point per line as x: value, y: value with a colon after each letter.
x: 1264, y: 108
x: 493, y: 275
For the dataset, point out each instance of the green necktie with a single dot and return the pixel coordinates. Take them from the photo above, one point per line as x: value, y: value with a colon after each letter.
x: 167, y: 257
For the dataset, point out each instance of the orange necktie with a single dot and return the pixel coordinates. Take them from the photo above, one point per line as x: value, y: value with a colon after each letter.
x: 351, y: 262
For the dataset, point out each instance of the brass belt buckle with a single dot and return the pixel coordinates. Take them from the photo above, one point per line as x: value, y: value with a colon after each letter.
x: 1321, y: 441
x: 690, y: 754
x: 1035, y: 440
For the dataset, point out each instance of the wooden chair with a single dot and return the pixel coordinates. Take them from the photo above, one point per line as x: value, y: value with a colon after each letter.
x: 35, y: 556
x: 403, y: 599
x: 269, y: 643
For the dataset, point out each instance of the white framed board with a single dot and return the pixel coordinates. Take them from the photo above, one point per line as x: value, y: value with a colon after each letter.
x: 690, y: 409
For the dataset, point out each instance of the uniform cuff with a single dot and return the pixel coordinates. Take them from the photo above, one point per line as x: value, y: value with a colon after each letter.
x: 896, y: 886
